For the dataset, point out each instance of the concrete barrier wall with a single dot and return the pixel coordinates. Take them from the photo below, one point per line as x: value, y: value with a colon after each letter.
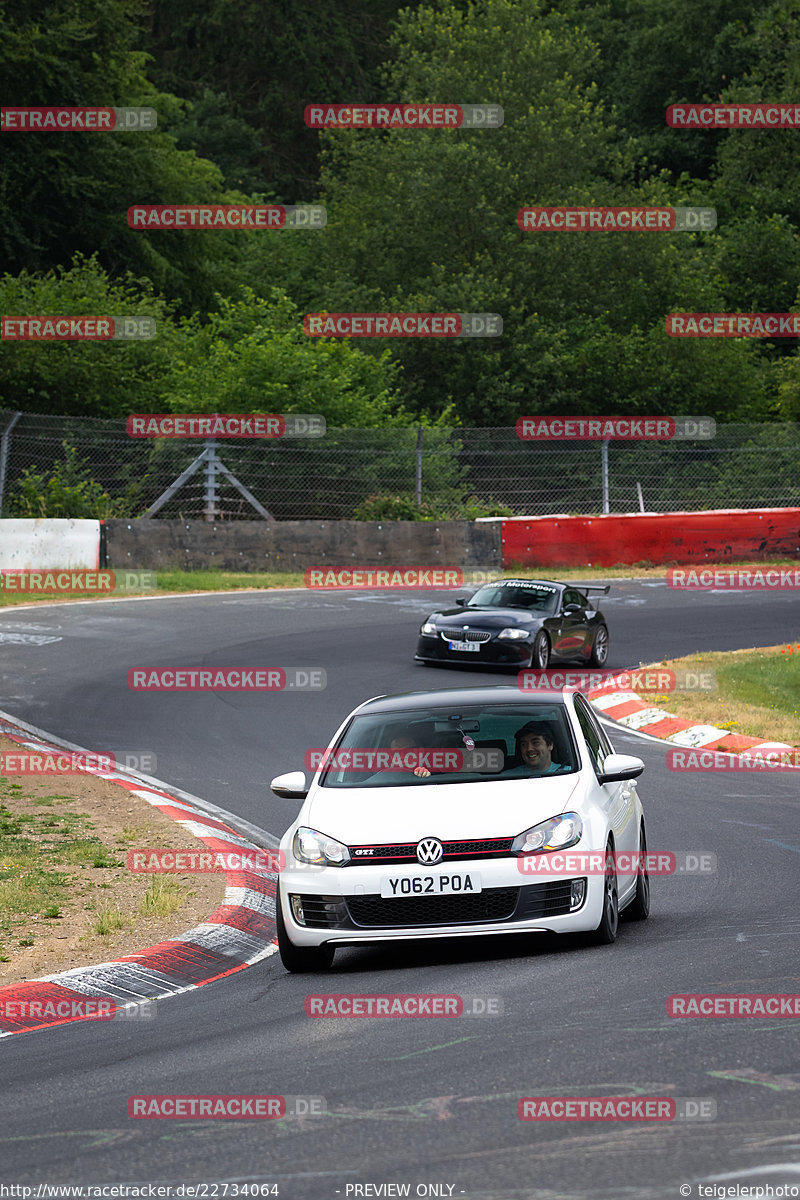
x: 294, y: 545
x: 545, y: 542
x: 625, y: 539
x: 27, y: 544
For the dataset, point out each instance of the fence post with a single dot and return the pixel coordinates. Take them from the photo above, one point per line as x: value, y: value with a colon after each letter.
x: 604, y: 463
x: 419, y: 464
x: 5, y: 442
x: 210, y: 471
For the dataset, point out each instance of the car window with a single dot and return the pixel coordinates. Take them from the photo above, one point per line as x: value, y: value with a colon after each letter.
x: 597, y: 751
x: 383, y: 749
x: 573, y: 597
x: 527, y: 594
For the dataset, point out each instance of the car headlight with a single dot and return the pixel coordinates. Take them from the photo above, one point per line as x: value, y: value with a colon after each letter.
x: 428, y: 627
x: 513, y: 635
x: 318, y: 849
x: 555, y: 834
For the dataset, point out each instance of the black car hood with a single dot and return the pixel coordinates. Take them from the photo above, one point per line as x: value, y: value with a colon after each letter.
x: 489, y: 618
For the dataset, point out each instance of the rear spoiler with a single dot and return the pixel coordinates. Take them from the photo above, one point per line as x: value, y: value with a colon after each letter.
x: 590, y: 587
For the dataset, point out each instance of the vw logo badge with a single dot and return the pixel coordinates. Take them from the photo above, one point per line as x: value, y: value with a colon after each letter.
x: 430, y: 850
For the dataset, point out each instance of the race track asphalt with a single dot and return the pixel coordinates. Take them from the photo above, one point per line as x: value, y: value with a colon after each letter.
x: 419, y: 1102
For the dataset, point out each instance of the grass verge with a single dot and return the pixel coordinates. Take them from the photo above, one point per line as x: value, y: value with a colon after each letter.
x: 67, y: 898
x: 757, y: 692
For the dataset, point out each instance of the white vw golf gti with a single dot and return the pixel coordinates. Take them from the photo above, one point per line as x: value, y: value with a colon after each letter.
x: 431, y: 814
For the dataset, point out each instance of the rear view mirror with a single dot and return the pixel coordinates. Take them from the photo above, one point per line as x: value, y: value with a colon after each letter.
x: 461, y: 601
x: 571, y: 608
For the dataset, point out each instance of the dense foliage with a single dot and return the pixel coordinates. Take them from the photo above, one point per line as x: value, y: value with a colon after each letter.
x: 417, y: 220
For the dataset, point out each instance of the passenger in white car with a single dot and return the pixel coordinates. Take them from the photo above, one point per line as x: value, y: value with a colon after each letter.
x: 534, y: 752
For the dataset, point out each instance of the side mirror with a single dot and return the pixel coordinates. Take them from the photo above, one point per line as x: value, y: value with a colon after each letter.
x: 291, y: 786
x: 620, y: 766
x: 569, y: 609
x: 461, y: 601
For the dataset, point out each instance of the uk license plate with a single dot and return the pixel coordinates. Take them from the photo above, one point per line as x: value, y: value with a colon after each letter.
x: 473, y: 647
x: 393, y: 887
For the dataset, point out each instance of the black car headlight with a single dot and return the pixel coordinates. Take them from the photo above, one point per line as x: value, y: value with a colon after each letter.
x: 512, y: 635
x: 428, y: 627
x: 556, y: 834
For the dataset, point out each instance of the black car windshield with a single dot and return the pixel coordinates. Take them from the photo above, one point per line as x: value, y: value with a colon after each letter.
x: 522, y: 593
x: 429, y: 746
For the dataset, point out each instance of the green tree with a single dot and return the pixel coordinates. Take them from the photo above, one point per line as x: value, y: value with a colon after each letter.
x: 67, y: 192
x: 84, y: 378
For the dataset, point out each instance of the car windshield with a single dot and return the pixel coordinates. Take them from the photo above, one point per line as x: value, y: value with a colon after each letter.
x: 436, y: 745
x: 522, y: 593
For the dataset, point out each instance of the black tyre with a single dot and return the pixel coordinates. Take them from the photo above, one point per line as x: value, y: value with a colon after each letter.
x: 606, y: 931
x: 299, y: 958
x: 540, y: 655
x: 639, y: 907
x: 599, y: 647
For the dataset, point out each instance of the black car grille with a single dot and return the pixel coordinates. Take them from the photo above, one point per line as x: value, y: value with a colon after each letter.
x: 494, y: 904
x: 464, y: 635
x: 537, y: 901
x: 407, y: 853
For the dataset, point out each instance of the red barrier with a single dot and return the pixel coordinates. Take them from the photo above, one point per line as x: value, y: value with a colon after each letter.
x: 624, y: 539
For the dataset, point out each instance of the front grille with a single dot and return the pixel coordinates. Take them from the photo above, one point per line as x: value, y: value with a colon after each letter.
x: 495, y: 904
x: 407, y: 853
x: 464, y: 635
x: 544, y: 900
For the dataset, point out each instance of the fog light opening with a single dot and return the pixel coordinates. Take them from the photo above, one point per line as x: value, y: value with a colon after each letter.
x: 296, y: 903
x: 576, y: 893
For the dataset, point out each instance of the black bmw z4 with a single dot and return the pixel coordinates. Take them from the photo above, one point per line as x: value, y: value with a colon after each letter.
x: 519, y: 623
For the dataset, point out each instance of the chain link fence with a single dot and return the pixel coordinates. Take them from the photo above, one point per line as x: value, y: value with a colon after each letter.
x: 90, y: 467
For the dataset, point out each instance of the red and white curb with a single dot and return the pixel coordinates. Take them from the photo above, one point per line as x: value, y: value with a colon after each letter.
x: 626, y: 708
x: 238, y: 934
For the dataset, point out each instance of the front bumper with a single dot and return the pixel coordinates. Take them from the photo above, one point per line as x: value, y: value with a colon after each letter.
x: 432, y: 648
x: 343, y: 905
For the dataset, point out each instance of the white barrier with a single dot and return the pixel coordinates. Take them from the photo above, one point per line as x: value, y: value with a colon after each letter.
x: 49, y: 542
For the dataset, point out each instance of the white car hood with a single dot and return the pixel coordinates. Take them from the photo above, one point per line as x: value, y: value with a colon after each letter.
x: 450, y: 812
